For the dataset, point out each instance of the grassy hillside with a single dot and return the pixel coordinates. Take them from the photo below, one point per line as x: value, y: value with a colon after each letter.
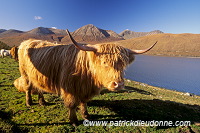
x: 136, y: 102
x: 4, y: 46
x: 168, y: 44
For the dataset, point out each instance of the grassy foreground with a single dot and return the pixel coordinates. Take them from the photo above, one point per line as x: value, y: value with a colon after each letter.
x: 136, y: 102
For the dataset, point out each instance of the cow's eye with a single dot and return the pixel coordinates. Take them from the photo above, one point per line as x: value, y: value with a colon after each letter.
x: 105, y: 64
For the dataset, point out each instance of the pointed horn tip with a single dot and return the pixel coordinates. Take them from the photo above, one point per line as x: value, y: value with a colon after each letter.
x: 154, y: 44
x: 67, y: 31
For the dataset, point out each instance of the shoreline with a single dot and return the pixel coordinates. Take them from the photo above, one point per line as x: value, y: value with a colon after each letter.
x: 159, y: 55
x: 161, y: 88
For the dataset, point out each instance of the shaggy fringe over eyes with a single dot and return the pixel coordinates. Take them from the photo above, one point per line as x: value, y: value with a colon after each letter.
x: 113, y: 55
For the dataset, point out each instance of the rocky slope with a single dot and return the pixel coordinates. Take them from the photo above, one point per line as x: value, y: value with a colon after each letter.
x: 92, y: 34
x: 128, y: 34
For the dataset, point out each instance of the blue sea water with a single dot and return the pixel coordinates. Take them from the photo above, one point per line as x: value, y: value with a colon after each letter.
x: 176, y: 73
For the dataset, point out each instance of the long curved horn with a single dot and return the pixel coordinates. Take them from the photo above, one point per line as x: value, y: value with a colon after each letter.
x: 80, y: 46
x: 142, y: 51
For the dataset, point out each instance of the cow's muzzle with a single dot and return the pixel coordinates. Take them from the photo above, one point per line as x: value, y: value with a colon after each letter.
x: 115, y: 86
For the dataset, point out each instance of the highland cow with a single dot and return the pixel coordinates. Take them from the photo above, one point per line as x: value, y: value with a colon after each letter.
x: 76, y: 72
x: 14, y: 53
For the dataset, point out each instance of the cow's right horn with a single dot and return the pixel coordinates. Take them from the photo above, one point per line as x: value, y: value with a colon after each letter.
x: 80, y: 46
x: 142, y: 51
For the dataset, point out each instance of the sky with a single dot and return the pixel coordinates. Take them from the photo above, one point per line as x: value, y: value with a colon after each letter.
x: 169, y: 16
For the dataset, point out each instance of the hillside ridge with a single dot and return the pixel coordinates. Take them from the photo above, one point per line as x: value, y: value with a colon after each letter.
x: 128, y: 34
x: 184, y: 45
x: 85, y: 34
x: 179, y: 45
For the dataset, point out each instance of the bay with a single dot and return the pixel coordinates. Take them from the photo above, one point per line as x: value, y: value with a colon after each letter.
x: 176, y: 73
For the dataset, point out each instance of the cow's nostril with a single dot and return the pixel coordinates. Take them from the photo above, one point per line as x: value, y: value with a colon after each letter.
x: 115, y: 84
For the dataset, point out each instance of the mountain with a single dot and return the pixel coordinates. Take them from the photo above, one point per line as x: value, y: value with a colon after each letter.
x: 58, y: 31
x: 186, y: 44
x: 168, y: 44
x: 46, y: 31
x: 15, y: 37
x: 11, y: 32
x: 128, y: 34
x: 91, y: 34
x: 40, y: 31
x: 2, y: 30
x: 154, y: 32
x: 86, y: 34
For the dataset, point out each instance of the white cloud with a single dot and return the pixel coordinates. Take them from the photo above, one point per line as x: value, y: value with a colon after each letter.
x: 37, y: 17
x: 54, y: 27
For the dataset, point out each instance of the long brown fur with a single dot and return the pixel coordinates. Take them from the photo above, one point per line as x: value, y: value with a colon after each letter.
x: 74, y: 74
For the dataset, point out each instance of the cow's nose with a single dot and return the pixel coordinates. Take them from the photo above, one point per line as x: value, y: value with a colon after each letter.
x: 118, y: 85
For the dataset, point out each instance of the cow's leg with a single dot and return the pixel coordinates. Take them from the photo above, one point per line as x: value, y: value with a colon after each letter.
x: 29, y: 101
x: 41, y: 98
x: 28, y: 89
x: 84, y: 112
x: 72, y: 116
x: 72, y: 104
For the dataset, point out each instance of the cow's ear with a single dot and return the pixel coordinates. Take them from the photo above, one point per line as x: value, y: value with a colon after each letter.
x: 131, y: 58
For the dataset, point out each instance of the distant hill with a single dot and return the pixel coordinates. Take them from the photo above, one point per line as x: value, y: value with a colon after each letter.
x: 91, y: 34
x: 40, y: 31
x: 86, y: 34
x: 11, y: 32
x: 2, y: 30
x: 128, y: 34
x: 15, y: 37
x: 58, y: 31
x: 168, y: 44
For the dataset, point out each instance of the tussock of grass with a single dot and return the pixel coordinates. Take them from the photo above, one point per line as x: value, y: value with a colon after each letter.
x: 136, y: 102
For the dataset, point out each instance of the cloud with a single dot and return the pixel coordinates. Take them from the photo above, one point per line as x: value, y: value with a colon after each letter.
x: 54, y: 27
x: 37, y: 17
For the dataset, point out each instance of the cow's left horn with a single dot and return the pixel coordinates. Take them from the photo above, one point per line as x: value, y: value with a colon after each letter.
x: 142, y: 51
x: 80, y: 46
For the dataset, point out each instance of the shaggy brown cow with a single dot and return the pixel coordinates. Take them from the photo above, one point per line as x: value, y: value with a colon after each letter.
x: 14, y: 53
x: 76, y: 72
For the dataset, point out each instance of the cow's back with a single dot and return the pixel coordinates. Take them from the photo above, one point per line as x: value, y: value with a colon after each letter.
x: 46, y: 65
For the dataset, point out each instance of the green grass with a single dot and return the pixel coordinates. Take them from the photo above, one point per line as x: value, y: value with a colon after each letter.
x: 135, y: 102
